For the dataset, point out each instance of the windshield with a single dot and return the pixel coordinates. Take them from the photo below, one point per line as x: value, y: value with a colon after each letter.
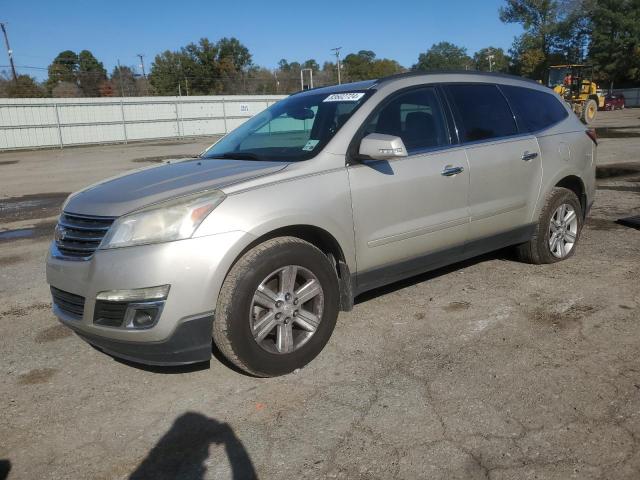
x: 557, y: 76
x: 294, y: 129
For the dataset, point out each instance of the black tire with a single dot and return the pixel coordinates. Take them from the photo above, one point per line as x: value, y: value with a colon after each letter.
x: 537, y: 250
x: 231, y: 327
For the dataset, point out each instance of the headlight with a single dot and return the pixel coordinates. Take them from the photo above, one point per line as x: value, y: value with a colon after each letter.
x: 173, y: 220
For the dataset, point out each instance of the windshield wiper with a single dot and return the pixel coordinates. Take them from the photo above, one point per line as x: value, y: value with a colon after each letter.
x: 237, y: 156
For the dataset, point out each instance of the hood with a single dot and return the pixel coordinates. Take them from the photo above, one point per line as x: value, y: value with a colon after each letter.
x: 123, y: 194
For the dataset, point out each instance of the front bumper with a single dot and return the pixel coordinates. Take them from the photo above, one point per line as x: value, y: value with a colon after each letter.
x: 194, y: 268
x: 189, y: 343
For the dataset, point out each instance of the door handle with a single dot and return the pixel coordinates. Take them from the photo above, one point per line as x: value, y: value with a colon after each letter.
x: 526, y: 156
x: 450, y: 171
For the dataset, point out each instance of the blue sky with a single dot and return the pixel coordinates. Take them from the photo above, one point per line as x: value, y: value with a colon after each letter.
x: 114, y: 29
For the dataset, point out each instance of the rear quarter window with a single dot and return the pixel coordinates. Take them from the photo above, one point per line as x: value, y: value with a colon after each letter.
x: 535, y: 110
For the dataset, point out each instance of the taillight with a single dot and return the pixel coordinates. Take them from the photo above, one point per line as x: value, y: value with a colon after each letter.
x: 591, y: 133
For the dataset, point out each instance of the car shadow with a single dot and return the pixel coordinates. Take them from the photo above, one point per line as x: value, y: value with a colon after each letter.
x: 504, y: 254
x: 183, y: 452
x: 5, y: 468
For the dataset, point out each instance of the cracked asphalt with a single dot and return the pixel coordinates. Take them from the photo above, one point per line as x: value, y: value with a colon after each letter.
x: 487, y: 369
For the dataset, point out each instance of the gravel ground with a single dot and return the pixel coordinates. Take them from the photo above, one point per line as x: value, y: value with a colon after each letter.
x: 486, y: 369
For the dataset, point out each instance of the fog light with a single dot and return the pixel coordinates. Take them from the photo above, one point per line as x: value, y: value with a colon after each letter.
x: 143, y: 318
x: 142, y: 315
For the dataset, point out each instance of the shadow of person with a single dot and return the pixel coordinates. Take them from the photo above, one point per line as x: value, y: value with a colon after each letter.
x: 5, y: 468
x: 184, y: 449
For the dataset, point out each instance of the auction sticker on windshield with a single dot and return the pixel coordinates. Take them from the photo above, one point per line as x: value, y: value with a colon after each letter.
x: 310, y: 145
x: 344, y: 97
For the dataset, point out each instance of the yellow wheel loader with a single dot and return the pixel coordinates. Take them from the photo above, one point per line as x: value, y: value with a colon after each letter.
x: 575, y: 84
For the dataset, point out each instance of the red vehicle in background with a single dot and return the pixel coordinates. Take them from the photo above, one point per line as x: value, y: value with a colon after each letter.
x: 613, y: 102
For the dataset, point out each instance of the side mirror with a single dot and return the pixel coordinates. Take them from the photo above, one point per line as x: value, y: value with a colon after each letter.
x: 379, y: 146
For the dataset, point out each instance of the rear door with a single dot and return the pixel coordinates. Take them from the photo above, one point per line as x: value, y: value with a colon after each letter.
x: 504, y: 164
x: 405, y: 209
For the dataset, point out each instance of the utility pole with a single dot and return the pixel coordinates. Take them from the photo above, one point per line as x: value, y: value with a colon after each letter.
x: 9, y: 52
x: 141, y: 57
x: 337, y: 50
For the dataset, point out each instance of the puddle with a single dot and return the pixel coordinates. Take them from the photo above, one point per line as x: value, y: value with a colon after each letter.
x: 29, y: 207
x: 15, y: 234
x: 8, y: 162
x: 613, y: 170
x: 39, y: 230
x: 618, y: 132
x: 162, y: 158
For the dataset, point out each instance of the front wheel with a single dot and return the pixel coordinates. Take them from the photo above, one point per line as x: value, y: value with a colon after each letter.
x: 277, y: 307
x: 557, y: 231
x: 589, y: 111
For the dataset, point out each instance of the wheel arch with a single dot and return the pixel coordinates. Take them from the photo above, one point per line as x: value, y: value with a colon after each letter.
x: 576, y: 185
x: 321, y: 239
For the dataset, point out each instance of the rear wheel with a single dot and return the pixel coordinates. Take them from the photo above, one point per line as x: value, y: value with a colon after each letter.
x: 557, y: 231
x: 589, y: 110
x: 277, y: 307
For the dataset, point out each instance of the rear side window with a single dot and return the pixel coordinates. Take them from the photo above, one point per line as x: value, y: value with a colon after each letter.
x: 536, y: 110
x: 484, y: 112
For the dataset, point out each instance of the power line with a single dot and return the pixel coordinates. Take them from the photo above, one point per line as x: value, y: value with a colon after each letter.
x: 9, y: 52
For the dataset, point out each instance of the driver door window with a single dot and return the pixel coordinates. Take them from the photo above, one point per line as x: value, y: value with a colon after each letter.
x: 416, y: 117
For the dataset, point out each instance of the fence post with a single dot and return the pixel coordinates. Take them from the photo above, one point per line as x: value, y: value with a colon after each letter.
x: 124, y: 125
x: 59, y: 127
x: 177, y: 118
x: 224, y: 116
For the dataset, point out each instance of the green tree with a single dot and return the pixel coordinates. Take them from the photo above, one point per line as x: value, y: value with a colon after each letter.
x: 64, y: 68
x: 615, y: 41
x: 364, y: 66
x: 90, y: 74
x: 312, y: 64
x: 499, y: 61
x: 554, y: 32
x: 202, y: 68
x: 82, y: 70
x: 444, y: 56
x: 236, y: 52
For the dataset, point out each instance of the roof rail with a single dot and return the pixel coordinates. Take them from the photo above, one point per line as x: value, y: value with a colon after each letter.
x: 418, y: 73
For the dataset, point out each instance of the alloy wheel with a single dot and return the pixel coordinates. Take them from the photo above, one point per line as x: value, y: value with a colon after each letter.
x: 563, y: 231
x: 286, y: 309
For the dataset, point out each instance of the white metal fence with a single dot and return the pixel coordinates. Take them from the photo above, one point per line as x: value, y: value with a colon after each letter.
x: 60, y: 122
x: 631, y: 96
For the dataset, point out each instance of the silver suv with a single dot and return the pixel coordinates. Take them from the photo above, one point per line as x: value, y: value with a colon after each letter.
x: 264, y: 238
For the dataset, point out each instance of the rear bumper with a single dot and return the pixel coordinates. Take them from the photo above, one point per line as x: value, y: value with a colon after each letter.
x: 189, y: 343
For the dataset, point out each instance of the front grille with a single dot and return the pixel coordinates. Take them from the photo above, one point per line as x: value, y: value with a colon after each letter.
x: 110, y: 314
x: 78, y: 236
x: 69, y: 303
